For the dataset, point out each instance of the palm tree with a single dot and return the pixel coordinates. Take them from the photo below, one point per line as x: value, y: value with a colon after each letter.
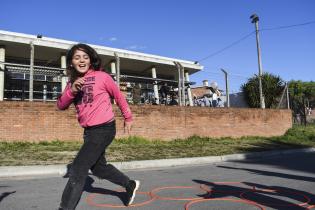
x: 272, y: 88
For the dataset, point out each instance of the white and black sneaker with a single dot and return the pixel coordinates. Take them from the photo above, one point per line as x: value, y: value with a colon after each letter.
x: 131, y: 189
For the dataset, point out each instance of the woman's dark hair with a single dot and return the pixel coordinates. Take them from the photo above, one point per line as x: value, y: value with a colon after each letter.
x: 94, y: 58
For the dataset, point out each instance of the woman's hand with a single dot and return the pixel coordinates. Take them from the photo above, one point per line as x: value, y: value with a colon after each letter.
x: 77, y: 85
x: 127, y: 126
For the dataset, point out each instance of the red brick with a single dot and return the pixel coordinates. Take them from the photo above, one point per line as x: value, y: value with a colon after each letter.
x: 36, y: 121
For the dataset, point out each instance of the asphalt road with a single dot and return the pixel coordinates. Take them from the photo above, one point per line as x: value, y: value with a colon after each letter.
x: 286, y: 182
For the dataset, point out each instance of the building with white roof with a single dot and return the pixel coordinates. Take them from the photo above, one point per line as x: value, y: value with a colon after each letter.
x: 33, y: 68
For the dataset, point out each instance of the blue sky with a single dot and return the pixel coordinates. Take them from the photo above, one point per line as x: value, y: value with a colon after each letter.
x: 184, y: 29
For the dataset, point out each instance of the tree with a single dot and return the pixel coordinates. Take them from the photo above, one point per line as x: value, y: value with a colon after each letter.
x: 272, y: 86
x: 300, y: 91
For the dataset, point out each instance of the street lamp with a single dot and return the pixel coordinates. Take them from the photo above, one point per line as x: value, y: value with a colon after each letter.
x: 255, y: 20
x: 226, y: 88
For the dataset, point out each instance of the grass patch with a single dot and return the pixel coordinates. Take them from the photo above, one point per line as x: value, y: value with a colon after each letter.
x: 137, y: 148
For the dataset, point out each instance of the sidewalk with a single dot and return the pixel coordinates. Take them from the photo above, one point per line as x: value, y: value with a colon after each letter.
x: 40, y: 170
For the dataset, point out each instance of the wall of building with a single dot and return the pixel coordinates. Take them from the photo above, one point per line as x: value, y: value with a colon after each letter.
x: 37, y: 121
x: 238, y: 100
x: 200, y: 91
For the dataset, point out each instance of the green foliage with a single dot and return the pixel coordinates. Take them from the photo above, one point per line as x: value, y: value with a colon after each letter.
x: 272, y: 86
x: 138, y: 148
x: 302, y: 90
x: 132, y: 140
x: 303, y: 133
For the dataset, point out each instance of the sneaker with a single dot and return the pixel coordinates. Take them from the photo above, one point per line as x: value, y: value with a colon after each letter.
x: 67, y: 174
x: 131, y: 189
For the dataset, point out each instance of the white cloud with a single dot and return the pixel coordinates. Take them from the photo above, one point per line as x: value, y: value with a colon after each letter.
x: 136, y: 47
x: 112, y: 39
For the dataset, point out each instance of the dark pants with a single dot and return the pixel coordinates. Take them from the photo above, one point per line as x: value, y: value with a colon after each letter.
x: 91, y: 156
x: 214, y: 103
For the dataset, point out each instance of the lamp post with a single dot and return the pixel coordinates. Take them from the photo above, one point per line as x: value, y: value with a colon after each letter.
x: 255, y: 20
x: 226, y: 88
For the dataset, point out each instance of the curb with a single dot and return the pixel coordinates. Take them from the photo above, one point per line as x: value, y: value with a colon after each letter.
x: 18, y: 171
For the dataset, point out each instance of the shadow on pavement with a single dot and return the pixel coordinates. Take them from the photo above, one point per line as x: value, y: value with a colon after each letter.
x: 5, y: 194
x: 273, y: 174
x: 303, y: 162
x: 263, y: 195
x: 89, y: 188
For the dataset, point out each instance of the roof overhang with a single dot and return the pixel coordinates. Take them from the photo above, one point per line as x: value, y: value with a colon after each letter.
x: 18, y: 45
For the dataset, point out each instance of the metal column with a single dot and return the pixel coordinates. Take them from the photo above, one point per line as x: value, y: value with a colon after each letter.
x: 181, y: 84
x: 226, y: 87
x: 2, y: 59
x: 117, y: 69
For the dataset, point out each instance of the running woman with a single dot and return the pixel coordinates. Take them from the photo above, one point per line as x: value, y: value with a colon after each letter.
x: 90, y: 89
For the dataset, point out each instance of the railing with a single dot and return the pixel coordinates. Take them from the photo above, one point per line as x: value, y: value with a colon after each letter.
x: 39, y: 70
x: 44, y: 76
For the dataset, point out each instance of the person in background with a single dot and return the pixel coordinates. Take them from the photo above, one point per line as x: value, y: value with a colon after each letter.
x: 90, y: 89
x: 136, y: 94
x: 173, y: 101
x: 206, y: 101
x: 164, y: 90
x: 214, y: 99
x: 195, y: 101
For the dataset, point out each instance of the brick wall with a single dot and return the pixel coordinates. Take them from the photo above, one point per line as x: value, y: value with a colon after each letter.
x: 37, y: 121
x: 200, y: 91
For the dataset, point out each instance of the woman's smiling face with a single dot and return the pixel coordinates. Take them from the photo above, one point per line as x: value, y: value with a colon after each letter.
x: 81, y: 61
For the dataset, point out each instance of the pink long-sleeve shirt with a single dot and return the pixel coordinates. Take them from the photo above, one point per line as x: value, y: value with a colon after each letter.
x: 93, y: 102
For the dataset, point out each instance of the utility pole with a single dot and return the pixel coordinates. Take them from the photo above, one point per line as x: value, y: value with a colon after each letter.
x: 255, y: 20
x: 226, y: 88
x: 288, y: 99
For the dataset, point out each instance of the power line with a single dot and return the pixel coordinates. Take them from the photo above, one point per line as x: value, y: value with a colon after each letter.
x: 213, y: 72
x: 230, y: 74
x: 288, y: 26
x: 248, y: 35
x: 227, y: 47
x: 239, y: 75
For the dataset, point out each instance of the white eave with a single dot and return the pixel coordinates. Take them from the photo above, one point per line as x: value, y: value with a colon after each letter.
x: 102, y: 50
